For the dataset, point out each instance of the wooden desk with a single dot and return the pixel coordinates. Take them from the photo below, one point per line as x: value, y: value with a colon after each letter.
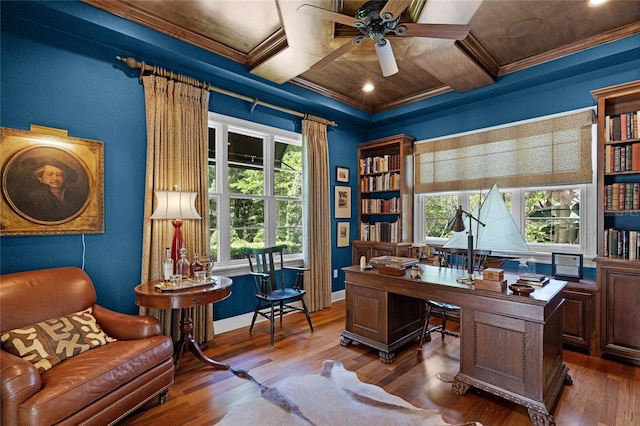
x: 510, y: 345
x: 148, y: 296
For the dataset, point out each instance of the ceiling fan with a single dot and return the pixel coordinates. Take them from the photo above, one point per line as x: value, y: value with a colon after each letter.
x: 376, y: 19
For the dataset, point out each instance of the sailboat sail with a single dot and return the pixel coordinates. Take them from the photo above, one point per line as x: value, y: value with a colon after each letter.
x: 500, y: 233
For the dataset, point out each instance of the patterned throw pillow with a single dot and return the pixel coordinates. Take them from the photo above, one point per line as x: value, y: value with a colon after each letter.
x: 50, y: 342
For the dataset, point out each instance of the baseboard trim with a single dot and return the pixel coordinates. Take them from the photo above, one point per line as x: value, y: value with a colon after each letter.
x: 244, y: 320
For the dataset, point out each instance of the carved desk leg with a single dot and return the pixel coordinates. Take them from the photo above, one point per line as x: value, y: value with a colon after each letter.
x: 459, y: 388
x: 538, y: 418
x: 387, y: 357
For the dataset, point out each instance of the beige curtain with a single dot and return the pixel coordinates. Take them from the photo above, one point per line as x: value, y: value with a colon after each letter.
x: 316, y: 224
x: 177, y: 146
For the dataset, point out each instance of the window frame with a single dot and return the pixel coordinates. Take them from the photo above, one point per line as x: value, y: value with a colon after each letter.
x: 223, y: 125
x: 541, y: 251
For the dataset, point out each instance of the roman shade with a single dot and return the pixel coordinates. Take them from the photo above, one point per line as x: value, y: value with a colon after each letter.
x: 550, y: 151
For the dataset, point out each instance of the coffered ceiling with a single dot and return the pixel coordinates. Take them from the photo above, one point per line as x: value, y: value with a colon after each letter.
x: 280, y: 44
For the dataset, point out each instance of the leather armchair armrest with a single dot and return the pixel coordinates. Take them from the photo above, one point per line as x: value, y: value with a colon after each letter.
x: 19, y: 380
x: 126, y: 327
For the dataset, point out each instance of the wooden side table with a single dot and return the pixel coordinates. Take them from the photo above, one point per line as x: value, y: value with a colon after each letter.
x: 149, y: 297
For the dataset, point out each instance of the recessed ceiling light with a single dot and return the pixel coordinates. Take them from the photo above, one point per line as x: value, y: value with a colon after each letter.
x: 368, y: 87
x: 594, y: 3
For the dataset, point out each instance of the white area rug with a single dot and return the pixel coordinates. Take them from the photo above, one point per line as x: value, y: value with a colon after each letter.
x: 333, y: 397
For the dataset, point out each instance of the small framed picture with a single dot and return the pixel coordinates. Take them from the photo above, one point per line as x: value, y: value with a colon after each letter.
x: 566, y: 266
x: 342, y: 174
x: 343, y: 202
x: 342, y: 239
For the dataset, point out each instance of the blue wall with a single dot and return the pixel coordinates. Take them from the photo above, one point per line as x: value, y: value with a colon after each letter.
x: 59, y: 70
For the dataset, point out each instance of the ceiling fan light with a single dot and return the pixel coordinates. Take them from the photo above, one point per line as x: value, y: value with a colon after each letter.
x: 386, y: 58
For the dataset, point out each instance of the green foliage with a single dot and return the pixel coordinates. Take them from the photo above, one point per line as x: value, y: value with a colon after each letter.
x: 247, y: 215
x: 437, y: 211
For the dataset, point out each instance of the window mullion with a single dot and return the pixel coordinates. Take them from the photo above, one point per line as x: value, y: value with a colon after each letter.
x: 224, y: 220
x: 270, y: 204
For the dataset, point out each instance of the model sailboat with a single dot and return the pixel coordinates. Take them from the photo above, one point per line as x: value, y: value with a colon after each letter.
x: 500, y: 233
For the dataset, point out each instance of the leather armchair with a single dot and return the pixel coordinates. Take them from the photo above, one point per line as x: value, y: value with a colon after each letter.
x: 99, y: 386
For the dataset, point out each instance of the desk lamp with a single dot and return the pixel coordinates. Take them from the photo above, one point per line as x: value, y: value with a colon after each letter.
x: 175, y: 206
x: 457, y: 225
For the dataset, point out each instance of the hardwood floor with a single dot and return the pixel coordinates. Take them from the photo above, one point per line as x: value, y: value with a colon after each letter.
x: 604, y: 392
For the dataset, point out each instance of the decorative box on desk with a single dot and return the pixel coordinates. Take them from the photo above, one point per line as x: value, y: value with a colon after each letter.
x: 492, y: 280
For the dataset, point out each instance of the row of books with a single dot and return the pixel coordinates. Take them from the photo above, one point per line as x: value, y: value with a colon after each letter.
x: 622, y: 196
x: 383, y: 182
x: 621, y: 244
x: 622, y: 158
x: 383, y: 163
x: 620, y: 127
x: 380, y: 206
x: 380, y: 231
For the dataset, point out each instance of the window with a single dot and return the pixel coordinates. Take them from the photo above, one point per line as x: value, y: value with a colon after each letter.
x: 255, y: 188
x: 548, y: 217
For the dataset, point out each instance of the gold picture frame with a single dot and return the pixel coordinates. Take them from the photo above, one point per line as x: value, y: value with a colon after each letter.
x: 50, y: 184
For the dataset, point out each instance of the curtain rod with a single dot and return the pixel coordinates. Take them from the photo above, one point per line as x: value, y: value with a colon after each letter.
x: 134, y: 63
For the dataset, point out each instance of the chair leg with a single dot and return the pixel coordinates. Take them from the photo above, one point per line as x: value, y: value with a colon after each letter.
x: 425, y: 328
x: 444, y: 323
x: 272, y: 326
x: 306, y: 313
x: 255, y: 315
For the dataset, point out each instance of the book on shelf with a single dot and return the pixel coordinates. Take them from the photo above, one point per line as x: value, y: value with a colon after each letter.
x: 375, y: 205
x: 388, y: 232
x: 622, y: 196
x: 379, y: 164
x: 384, y: 182
x: 621, y: 244
x: 621, y: 127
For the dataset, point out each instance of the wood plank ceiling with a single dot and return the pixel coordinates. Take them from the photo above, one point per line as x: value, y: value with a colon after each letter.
x: 280, y: 44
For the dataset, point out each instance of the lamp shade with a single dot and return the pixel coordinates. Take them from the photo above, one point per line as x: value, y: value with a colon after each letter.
x: 386, y: 58
x: 175, y: 205
x: 457, y: 223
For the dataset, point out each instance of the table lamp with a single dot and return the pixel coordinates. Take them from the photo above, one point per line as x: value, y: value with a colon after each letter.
x: 498, y: 233
x: 175, y: 206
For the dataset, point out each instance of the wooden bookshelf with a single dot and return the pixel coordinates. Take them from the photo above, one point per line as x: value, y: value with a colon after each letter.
x: 385, y: 197
x: 618, y: 264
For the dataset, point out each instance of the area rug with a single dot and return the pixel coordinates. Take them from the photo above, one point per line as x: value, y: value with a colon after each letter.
x: 333, y: 397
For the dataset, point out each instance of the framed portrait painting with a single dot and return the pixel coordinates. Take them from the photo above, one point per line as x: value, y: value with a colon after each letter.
x: 343, y: 202
x: 50, y: 184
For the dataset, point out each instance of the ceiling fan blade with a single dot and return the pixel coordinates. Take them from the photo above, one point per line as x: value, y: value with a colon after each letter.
x: 329, y: 15
x: 393, y: 9
x: 386, y: 58
x: 446, y: 31
x: 337, y: 53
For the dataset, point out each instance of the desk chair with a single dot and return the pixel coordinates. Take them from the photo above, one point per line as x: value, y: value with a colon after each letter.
x: 446, y: 312
x: 273, y: 297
